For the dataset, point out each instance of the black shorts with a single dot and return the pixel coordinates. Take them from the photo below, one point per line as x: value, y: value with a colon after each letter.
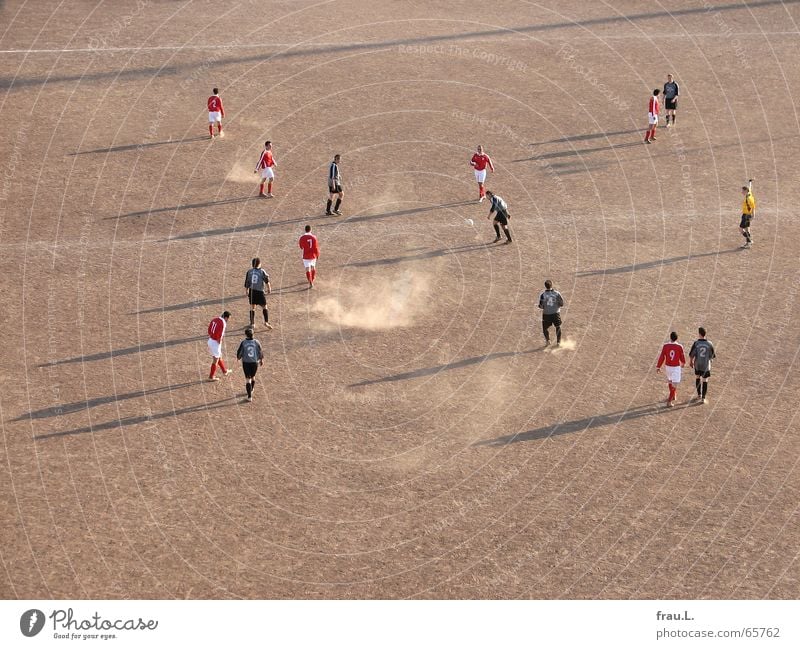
x: 551, y: 319
x: 501, y: 218
x: 745, y: 222
x: 671, y: 104
x: 258, y: 298
x: 336, y: 189
x: 250, y: 370
x: 703, y: 374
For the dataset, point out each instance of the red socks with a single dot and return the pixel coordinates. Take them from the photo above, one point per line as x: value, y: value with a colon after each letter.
x: 481, y: 192
x: 313, y: 274
x: 309, y: 277
x: 261, y: 189
x: 672, y: 392
x: 269, y: 187
x: 213, y: 370
x: 211, y: 130
x: 221, y: 366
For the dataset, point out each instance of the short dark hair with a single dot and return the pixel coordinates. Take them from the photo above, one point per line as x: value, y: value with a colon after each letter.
x: 256, y: 262
x: 746, y: 189
x: 673, y: 336
x: 656, y: 92
x: 489, y: 192
x: 702, y: 331
x: 308, y: 228
x: 337, y: 156
x: 548, y: 284
x: 226, y: 314
x: 268, y: 142
x: 248, y: 332
x: 215, y: 91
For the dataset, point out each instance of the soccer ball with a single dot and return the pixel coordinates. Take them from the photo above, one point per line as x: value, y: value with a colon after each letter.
x: 469, y: 221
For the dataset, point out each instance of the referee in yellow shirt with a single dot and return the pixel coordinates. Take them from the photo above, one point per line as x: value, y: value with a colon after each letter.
x: 748, y: 212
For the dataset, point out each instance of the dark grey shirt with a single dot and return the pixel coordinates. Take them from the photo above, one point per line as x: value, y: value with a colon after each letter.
x: 256, y: 279
x: 498, y: 205
x: 550, y: 301
x: 670, y: 90
x: 334, y: 177
x: 702, y: 352
x: 249, y: 351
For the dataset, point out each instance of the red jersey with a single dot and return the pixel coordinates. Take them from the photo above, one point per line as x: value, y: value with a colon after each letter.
x: 215, y: 105
x: 480, y: 161
x: 216, y: 329
x: 652, y: 107
x: 310, y: 247
x: 266, y: 160
x: 672, y: 355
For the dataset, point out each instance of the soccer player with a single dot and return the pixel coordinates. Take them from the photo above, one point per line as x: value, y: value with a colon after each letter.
x: 480, y: 161
x: 550, y: 302
x: 215, y: 113
x: 671, y: 92
x: 748, y: 212
x: 310, y: 247
x: 252, y: 356
x: 700, y: 356
x: 653, y: 109
x: 499, y: 208
x: 256, y: 280
x: 334, y: 187
x: 216, y: 332
x: 673, y: 359
x: 265, y: 164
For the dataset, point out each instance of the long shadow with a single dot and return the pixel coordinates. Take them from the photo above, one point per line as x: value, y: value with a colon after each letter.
x: 79, y: 406
x: 8, y: 83
x: 189, y: 305
x: 429, y: 371
x: 134, y: 147
x: 652, y: 264
x: 140, y: 419
x: 113, y: 353
x: 181, y: 208
x: 587, y: 136
x: 412, y: 210
x: 578, y: 425
x: 236, y: 229
x: 578, y: 152
x: 420, y: 256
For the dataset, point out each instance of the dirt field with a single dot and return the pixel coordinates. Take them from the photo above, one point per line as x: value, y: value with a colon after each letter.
x: 410, y: 435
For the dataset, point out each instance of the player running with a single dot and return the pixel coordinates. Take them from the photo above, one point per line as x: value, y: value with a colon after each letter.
x: 499, y: 208
x: 215, y: 113
x: 252, y: 356
x: 265, y: 165
x: 673, y: 358
x: 216, y: 332
x: 550, y: 302
x: 256, y: 282
x: 653, y: 109
x: 700, y: 356
x: 480, y: 161
x: 748, y: 212
x: 310, y: 247
x: 334, y: 187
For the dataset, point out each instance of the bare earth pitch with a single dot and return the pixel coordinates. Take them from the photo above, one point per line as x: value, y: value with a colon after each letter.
x: 409, y: 435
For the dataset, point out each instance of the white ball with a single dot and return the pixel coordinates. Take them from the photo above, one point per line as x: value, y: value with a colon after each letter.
x: 469, y: 221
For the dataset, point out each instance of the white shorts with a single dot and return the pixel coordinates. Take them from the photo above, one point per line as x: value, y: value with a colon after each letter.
x: 673, y: 373
x: 267, y: 173
x: 480, y: 176
x: 214, y: 348
x: 652, y: 119
x: 214, y: 116
x: 310, y: 263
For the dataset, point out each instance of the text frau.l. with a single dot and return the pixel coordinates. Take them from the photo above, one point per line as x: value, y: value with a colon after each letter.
x: 64, y: 619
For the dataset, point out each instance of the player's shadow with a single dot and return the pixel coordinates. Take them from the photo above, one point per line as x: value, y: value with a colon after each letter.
x: 188, y: 305
x: 586, y: 136
x: 406, y: 212
x: 656, y: 263
x: 430, y: 254
x: 133, y: 147
x: 113, y: 353
x: 578, y: 152
x: 430, y: 371
x: 79, y: 406
x: 236, y: 229
x: 578, y: 425
x: 139, y: 419
x: 181, y: 208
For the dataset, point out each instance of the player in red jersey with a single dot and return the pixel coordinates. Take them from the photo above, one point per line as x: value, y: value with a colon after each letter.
x: 310, y: 247
x: 216, y: 332
x: 653, y: 108
x: 265, y: 164
x: 215, y: 113
x: 673, y: 359
x: 479, y: 162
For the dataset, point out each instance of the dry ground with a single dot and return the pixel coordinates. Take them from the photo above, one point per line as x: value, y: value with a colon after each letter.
x: 410, y: 436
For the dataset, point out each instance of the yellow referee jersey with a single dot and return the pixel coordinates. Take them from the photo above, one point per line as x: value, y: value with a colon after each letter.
x: 748, y: 204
